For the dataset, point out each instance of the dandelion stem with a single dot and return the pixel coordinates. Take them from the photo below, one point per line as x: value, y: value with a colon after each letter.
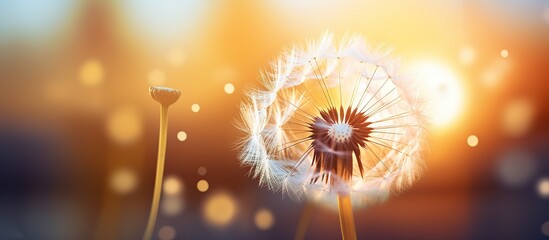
x: 304, y: 220
x: 159, y: 172
x: 346, y: 219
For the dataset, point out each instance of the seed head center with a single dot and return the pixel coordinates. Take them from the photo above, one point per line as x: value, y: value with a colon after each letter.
x: 340, y: 132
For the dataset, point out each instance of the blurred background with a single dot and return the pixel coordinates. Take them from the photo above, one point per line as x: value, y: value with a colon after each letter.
x: 78, y: 129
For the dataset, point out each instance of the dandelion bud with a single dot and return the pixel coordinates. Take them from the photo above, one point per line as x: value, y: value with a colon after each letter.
x: 165, y: 96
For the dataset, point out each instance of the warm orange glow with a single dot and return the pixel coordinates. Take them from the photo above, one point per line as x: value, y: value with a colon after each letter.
x: 77, y: 120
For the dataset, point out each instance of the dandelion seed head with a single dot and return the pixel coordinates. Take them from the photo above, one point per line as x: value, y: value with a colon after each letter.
x: 334, y: 117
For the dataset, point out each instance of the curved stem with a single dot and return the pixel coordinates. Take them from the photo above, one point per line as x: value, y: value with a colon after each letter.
x: 159, y: 172
x: 346, y: 219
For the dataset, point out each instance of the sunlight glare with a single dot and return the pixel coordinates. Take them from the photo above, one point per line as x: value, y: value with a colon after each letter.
x: 444, y: 91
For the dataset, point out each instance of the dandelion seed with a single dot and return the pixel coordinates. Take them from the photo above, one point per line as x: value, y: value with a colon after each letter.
x: 334, y: 121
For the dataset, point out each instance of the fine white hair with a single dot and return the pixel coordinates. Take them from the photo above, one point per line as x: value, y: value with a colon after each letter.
x: 323, y: 73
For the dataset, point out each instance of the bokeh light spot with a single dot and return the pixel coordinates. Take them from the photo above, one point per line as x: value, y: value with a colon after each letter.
x: 545, y: 228
x: 167, y: 233
x: 504, y: 53
x: 91, y: 73
x: 172, y: 205
x: 225, y: 74
x: 181, y: 136
x: 229, y: 88
x: 157, y: 77
x: 443, y: 89
x: 264, y: 219
x: 543, y: 187
x: 202, y: 171
x: 124, y: 125
x: 57, y: 93
x: 123, y: 181
x: 545, y: 15
x: 472, y: 141
x: 495, y: 72
x: 517, y: 117
x: 195, y: 108
x: 467, y: 55
x: 176, y: 57
x: 202, y: 185
x: 172, y: 185
x: 219, y: 209
x: 516, y: 168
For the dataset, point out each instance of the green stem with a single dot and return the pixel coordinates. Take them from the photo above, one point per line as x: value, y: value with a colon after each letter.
x: 159, y: 173
x: 346, y: 219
